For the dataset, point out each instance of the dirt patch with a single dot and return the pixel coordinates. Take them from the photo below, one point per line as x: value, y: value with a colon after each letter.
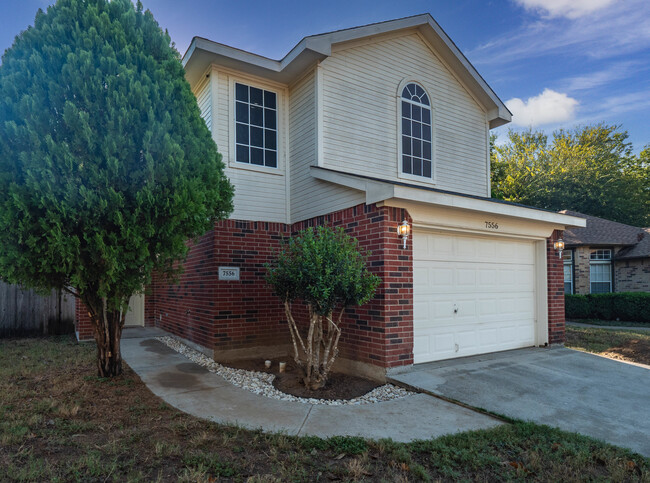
x: 634, y: 350
x: 339, y: 386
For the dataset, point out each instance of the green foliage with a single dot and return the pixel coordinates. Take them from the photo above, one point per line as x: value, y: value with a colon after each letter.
x: 106, y: 168
x: 630, y: 306
x: 590, y: 169
x: 347, y: 444
x: 324, y: 268
x: 576, y: 306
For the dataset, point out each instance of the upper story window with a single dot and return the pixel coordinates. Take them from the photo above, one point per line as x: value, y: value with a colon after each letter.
x: 256, y: 121
x: 417, y: 157
x: 600, y: 271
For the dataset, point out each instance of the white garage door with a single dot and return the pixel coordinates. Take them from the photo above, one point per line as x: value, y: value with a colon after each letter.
x: 472, y: 295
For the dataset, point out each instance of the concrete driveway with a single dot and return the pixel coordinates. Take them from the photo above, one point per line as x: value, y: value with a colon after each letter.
x: 572, y: 390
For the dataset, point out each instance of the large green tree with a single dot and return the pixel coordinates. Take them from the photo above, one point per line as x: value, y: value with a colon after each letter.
x: 106, y: 167
x: 591, y: 169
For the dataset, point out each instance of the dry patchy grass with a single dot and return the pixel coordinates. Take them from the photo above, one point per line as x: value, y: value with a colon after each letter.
x: 59, y: 422
x: 626, y: 345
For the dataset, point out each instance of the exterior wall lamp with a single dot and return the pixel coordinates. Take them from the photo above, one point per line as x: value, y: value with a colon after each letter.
x: 403, y: 231
x: 559, y: 246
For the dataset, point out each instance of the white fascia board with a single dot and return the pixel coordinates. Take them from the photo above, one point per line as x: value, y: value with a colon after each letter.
x: 230, y: 52
x: 315, y: 48
x: 377, y: 191
x: 485, y: 206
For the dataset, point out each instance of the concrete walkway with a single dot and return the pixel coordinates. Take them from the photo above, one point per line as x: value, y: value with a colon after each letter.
x: 614, y: 327
x: 572, y: 390
x: 194, y: 390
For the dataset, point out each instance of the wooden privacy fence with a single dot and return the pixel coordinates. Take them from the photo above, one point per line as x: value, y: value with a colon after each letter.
x: 24, y: 312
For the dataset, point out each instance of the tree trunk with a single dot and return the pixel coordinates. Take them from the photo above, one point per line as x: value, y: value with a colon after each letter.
x: 108, y: 323
x: 315, y: 354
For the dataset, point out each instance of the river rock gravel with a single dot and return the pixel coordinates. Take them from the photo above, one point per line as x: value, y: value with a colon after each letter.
x: 262, y: 383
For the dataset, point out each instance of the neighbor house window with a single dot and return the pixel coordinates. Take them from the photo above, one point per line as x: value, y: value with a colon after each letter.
x: 568, y: 271
x: 256, y: 132
x: 600, y: 271
x: 417, y: 157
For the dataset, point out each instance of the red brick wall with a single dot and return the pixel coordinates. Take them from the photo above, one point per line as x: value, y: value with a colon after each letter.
x: 235, y: 314
x: 380, y: 332
x: 555, y: 274
x: 83, y: 326
x: 224, y: 314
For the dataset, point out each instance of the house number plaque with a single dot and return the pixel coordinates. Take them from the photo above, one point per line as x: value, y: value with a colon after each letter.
x: 493, y: 225
x: 228, y: 273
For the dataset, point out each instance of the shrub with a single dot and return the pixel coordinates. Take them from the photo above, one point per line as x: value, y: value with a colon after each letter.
x: 324, y: 268
x: 629, y: 306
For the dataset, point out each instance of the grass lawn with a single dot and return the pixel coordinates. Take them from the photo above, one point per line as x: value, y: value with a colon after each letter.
x: 58, y: 421
x: 626, y: 345
x: 612, y: 323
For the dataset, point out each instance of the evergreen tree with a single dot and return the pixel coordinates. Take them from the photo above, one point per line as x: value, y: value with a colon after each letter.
x: 106, y: 168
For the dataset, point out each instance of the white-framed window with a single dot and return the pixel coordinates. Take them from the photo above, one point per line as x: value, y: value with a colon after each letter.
x: 568, y: 271
x: 416, y: 133
x: 256, y: 126
x: 600, y: 271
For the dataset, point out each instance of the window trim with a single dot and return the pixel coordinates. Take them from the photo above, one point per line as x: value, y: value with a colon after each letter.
x: 601, y: 262
x: 280, y: 94
x: 400, y: 173
x: 571, y: 263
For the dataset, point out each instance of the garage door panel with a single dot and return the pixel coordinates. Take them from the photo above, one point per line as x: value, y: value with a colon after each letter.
x: 491, y: 281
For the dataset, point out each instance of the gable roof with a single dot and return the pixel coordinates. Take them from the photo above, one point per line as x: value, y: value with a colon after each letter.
x: 602, y: 232
x: 310, y: 50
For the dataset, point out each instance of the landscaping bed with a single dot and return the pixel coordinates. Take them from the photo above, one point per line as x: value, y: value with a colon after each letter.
x: 339, y: 386
x: 624, y: 345
x: 59, y: 421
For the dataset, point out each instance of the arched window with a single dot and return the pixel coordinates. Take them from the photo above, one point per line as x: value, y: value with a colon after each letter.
x: 417, y: 158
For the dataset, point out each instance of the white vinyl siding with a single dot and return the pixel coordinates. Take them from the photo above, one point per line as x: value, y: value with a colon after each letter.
x: 259, y: 195
x: 360, y: 118
x: 204, y: 100
x: 309, y: 196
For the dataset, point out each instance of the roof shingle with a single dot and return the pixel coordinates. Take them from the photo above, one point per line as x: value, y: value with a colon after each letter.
x: 611, y: 233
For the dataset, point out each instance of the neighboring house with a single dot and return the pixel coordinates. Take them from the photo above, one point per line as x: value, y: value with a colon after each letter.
x: 606, y: 256
x: 364, y: 128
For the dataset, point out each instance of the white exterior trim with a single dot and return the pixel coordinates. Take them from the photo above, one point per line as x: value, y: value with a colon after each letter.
x: 391, y: 194
x: 400, y: 172
x: 281, y: 128
x: 318, y: 79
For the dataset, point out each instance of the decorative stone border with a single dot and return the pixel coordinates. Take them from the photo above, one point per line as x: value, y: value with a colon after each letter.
x: 262, y: 383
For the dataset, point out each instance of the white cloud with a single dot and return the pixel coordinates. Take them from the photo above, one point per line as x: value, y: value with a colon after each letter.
x: 565, y: 8
x: 612, y: 73
x: 547, y: 108
x: 617, y: 29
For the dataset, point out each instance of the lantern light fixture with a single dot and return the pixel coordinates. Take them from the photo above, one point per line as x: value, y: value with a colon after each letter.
x: 559, y: 246
x: 403, y: 231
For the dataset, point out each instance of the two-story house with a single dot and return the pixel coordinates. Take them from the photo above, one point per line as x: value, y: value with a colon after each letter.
x: 365, y: 128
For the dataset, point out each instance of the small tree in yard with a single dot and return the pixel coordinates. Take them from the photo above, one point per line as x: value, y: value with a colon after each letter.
x: 324, y: 268
x: 106, y: 167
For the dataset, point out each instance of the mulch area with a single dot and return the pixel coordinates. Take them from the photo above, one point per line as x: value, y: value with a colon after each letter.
x: 339, y: 386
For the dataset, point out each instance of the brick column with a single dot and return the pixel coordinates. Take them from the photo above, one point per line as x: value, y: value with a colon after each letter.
x: 555, y: 281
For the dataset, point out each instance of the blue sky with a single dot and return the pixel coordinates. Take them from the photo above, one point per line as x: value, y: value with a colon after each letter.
x: 556, y: 63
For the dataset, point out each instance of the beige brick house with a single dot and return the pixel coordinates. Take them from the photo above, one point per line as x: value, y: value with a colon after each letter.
x: 606, y: 256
